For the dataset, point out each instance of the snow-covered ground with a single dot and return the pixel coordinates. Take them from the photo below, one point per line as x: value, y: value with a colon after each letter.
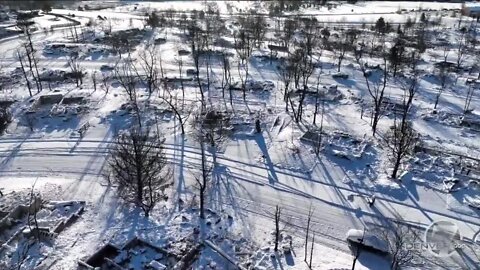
x: 254, y: 173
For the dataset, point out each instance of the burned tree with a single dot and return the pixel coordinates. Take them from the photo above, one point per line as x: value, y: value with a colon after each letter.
x: 127, y: 76
x: 34, y: 206
x: 3, y: 79
x: 210, y: 130
x: 212, y: 126
x: 29, y: 55
x: 278, y: 212
x: 317, y: 96
x: 289, y: 28
x: 226, y: 76
x: 345, y: 44
x: 468, y: 99
x: 462, y: 47
x: 376, y: 89
x: 306, y: 68
x: 402, y: 137
x: 357, y: 250
x: 149, y: 61
x: 443, y: 74
x: 174, y: 108
x: 106, y: 82
x: 94, y: 80
x: 396, y: 56
x: 287, y: 71
x: 76, y: 70
x: 244, y: 46
x: 30, y: 52
x: 203, y: 179
x: 197, y: 44
x: 5, y: 119
x: 139, y: 167
x: 153, y: 20
x: 179, y: 61
x: 398, y: 237
x: 21, y: 59
x: 30, y: 121
x: 309, y: 219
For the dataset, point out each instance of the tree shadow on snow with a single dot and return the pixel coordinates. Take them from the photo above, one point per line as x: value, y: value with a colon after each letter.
x: 272, y: 175
x: 277, y: 262
x: 222, y: 195
x: 410, y: 186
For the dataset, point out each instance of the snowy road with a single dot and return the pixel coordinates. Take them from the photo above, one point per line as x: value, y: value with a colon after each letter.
x: 247, y: 185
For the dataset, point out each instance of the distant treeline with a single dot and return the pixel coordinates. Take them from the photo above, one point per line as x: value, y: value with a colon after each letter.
x: 39, y: 4
x: 36, y: 4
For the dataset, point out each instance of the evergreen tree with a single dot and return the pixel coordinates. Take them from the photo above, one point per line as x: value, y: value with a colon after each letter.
x: 380, y: 25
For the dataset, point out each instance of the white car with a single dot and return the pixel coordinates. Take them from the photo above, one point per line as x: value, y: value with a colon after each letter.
x: 340, y: 75
x: 368, y: 241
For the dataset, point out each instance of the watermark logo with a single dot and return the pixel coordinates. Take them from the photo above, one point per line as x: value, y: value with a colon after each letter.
x: 442, y: 238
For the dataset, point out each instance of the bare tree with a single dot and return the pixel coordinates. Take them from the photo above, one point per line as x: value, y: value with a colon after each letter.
x: 209, y: 33
x: 127, y: 76
x: 174, y: 108
x: 306, y: 68
x: 108, y: 26
x: 205, y: 175
x: 287, y: 71
x: 402, y: 137
x: 139, y: 166
x: 3, y: 82
x: 396, y: 56
x: 106, y: 82
x: 30, y: 53
x: 31, y: 120
x: 210, y: 129
x: 345, y: 44
x: 375, y: 89
x: 211, y: 126
x: 197, y: 44
x: 317, y: 96
x: 244, y: 44
x: 318, y: 144
x: 278, y: 212
x: 153, y: 20
x: 309, y: 219
x: 289, y: 28
x: 183, y: 22
x: 311, y: 251
x: 446, y: 52
x: 443, y: 76
x: 179, y: 61
x: 21, y: 59
x: 31, y: 61
x: 461, y: 47
x: 357, y: 250
x: 226, y: 76
x: 5, y: 119
x: 94, y: 80
x: 76, y: 69
x: 468, y: 99
x: 34, y: 206
x: 397, y: 238
x: 148, y: 60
